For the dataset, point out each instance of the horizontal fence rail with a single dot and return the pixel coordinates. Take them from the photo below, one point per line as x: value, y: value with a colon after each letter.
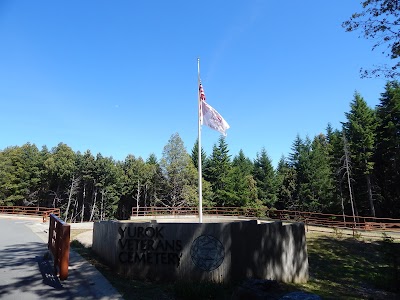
x: 58, y: 245
x: 309, y: 218
x: 43, y: 212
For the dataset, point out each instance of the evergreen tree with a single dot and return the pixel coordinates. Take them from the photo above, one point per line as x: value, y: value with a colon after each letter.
x: 243, y: 163
x: 244, y: 185
x: 109, y: 186
x: 135, y: 177
x: 388, y: 149
x: 336, y: 157
x: 60, y: 167
x: 265, y: 178
x: 44, y: 177
x: 157, y: 181
x: 286, y: 178
x: 360, y: 130
x: 294, y: 156
x: 218, y: 173
x: 300, y: 160
x: 347, y: 167
x: 195, y: 155
x: 20, y: 175
x: 322, y: 178
x: 87, y: 168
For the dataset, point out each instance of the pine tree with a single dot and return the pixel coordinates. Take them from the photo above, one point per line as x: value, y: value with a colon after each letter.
x: 360, y: 130
x: 300, y: 160
x: 60, y: 166
x: 244, y: 185
x: 218, y: 172
x: 286, y: 178
x: 322, y: 179
x: 388, y: 149
x: 20, y: 175
x: 265, y: 177
x: 195, y: 156
x: 106, y: 187
x: 335, y: 153
x: 157, y: 181
x: 340, y: 166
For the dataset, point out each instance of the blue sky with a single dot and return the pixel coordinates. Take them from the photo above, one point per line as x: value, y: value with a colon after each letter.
x: 120, y: 77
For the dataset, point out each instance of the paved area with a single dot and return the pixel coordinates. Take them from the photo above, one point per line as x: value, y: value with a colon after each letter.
x: 26, y: 274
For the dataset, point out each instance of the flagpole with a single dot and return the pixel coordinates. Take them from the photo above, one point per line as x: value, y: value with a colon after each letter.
x: 199, y: 145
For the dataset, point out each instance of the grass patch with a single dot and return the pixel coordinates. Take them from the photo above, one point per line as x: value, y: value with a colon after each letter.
x: 75, y: 232
x: 349, y: 268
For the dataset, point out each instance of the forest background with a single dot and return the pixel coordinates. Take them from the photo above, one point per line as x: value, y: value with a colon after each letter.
x: 353, y: 167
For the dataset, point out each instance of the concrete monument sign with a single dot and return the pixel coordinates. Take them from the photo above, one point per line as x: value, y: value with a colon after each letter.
x: 219, y: 252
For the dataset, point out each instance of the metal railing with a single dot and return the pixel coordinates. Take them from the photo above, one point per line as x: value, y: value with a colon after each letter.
x: 221, y: 211
x: 309, y: 218
x: 58, y: 245
x: 43, y: 212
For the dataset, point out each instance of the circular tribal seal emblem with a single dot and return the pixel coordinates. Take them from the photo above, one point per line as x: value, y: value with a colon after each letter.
x: 207, y: 252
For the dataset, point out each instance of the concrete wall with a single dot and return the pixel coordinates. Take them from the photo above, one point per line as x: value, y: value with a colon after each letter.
x: 220, y: 252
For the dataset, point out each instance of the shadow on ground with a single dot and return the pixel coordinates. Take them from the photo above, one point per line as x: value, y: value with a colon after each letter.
x: 26, y: 270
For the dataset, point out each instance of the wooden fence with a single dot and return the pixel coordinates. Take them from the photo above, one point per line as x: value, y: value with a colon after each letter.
x: 58, y: 244
x: 43, y: 212
x: 309, y: 218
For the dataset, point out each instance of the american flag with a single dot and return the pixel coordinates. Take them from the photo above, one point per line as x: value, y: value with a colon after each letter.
x: 201, y: 91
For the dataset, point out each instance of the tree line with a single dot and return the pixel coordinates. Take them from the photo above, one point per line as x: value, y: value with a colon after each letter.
x: 353, y: 170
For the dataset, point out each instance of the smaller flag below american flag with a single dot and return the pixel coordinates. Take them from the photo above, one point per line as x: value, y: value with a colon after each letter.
x: 209, y: 116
